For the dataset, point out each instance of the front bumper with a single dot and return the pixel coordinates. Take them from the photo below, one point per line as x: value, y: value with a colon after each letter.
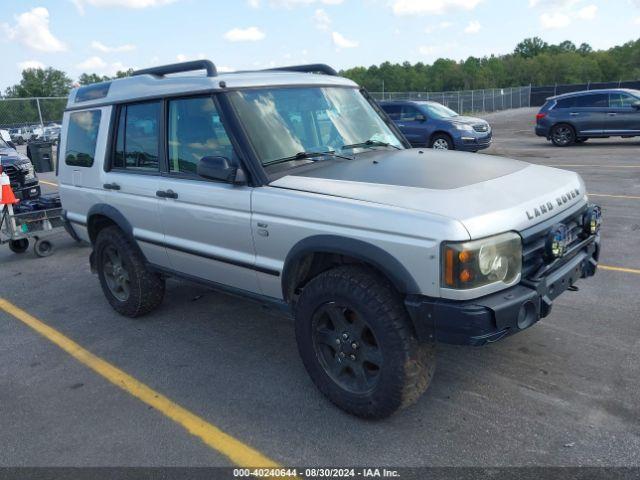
x: 472, y: 141
x: 494, y: 317
x: 27, y: 192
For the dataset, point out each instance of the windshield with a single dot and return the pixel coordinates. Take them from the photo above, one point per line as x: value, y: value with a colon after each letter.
x: 3, y: 144
x: 436, y: 110
x: 282, y: 122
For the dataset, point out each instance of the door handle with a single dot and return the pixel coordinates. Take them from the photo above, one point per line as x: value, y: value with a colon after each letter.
x: 612, y: 114
x: 166, y: 194
x: 111, y: 186
x: 574, y: 114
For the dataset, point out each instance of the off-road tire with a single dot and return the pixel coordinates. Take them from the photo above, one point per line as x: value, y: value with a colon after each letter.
x: 563, y: 135
x: 146, y: 287
x: 441, y: 137
x: 407, y: 366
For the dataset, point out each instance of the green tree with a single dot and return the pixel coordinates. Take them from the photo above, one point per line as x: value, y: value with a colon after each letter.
x: 531, y: 47
x: 38, y: 82
x: 89, y: 78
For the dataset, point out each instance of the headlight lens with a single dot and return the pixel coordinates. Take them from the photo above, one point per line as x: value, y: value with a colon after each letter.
x: 483, y: 262
x: 463, y: 126
x: 29, y: 172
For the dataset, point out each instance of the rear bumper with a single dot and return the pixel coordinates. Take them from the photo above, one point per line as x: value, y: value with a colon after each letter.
x: 494, y: 317
x: 542, y: 131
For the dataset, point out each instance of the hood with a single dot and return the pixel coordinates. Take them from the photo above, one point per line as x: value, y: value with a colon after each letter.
x: 467, y: 120
x: 486, y: 194
x: 8, y: 156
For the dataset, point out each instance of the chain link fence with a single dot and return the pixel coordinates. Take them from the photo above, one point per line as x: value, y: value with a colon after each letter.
x: 31, y: 112
x: 467, y: 101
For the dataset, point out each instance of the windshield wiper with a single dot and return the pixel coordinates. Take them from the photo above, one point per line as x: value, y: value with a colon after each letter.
x: 370, y: 143
x: 305, y: 155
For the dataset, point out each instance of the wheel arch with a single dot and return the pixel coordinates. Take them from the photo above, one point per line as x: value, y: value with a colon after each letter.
x: 439, y: 132
x: 315, y: 254
x: 101, y: 216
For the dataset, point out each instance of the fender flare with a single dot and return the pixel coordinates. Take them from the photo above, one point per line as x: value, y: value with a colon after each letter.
x: 113, y: 214
x: 366, y: 252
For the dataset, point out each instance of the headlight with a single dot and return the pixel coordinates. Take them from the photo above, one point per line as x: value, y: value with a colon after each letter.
x: 478, y: 263
x: 29, y: 172
x: 463, y: 126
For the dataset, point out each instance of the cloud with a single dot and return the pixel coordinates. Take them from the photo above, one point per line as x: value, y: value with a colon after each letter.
x: 28, y: 64
x: 101, y: 47
x: 428, y: 49
x: 637, y: 21
x: 341, y: 41
x: 94, y: 63
x: 588, y: 13
x: 250, y: 34
x: 473, y: 27
x: 554, y: 20
x: 322, y: 19
x: 32, y: 30
x: 137, y: 4
x: 553, y: 3
x: 431, y: 7
x: 181, y: 57
x: 292, y: 3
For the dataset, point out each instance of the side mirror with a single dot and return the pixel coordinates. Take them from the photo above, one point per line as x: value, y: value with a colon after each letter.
x: 636, y: 105
x: 421, y: 118
x: 221, y: 169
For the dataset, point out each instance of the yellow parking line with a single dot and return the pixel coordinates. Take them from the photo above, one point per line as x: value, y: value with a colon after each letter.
x: 48, y: 183
x: 238, y: 452
x: 620, y: 269
x: 633, y: 197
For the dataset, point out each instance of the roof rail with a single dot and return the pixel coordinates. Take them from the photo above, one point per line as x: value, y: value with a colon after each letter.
x: 179, y: 68
x: 311, y: 68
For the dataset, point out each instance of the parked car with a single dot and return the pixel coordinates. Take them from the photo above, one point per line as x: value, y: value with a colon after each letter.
x: 50, y: 134
x: 22, y: 176
x: 575, y: 117
x: 293, y: 188
x: 21, y: 135
x: 431, y: 124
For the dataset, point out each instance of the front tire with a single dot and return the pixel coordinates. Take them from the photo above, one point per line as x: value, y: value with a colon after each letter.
x: 563, y: 135
x: 358, y: 345
x: 131, y: 288
x: 441, y: 141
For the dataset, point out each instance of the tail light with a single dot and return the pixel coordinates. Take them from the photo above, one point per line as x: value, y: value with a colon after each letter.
x: 540, y: 116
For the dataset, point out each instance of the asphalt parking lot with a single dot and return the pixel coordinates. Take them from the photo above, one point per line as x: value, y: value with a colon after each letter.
x: 563, y: 393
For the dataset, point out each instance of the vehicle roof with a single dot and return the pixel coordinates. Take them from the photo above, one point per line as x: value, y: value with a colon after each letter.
x: 603, y: 90
x: 140, y: 87
x: 418, y: 102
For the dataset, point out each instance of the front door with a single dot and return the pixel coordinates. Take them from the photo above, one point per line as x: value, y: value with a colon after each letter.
x: 207, y: 224
x: 623, y: 117
x: 413, y: 124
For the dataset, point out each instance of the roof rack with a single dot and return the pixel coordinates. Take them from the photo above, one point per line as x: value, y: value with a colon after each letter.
x: 311, y: 68
x: 179, y: 68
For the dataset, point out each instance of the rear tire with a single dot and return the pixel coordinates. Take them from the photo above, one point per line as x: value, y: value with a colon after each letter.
x: 358, y: 345
x: 130, y: 287
x: 563, y: 135
x: 43, y: 248
x: 441, y: 141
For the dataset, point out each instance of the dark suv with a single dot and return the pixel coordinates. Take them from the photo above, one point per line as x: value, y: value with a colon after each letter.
x: 23, y: 178
x: 575, y: 117
x: 431, y: 124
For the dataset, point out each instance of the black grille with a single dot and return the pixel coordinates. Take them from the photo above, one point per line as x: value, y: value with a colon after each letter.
x: 534, y: 242
x: 15, y: 175
x: 481, y: 127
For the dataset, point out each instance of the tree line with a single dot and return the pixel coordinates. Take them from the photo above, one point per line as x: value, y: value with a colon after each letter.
x: 533, y: 61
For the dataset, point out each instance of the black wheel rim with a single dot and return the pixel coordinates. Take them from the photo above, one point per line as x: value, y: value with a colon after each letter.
x: 562, y: 135
x: 116, y: 275
x: 346, y: 348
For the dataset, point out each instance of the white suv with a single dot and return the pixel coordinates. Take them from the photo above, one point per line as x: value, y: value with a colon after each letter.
x: 293, y: 188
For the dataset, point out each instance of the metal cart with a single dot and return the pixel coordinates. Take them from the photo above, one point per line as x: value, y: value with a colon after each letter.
x: 16, y: 229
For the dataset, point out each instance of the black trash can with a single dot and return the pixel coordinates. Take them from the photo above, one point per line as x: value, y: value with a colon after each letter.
x: 40, y: 153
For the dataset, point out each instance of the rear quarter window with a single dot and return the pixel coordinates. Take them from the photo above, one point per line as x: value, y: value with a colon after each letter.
x: 82, y: 136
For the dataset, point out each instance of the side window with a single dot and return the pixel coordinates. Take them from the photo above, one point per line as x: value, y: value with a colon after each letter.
x: 195, y: 131
x: 137, y: 137
x: 621, y: 100
x: 82, y: 136
x: 393, y: 111
x: 566, y: 103
x: 595, y: 100
x: 409, y: 113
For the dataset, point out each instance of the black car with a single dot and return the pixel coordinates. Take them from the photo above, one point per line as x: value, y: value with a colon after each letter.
x: 575, y: 117
x: 23, y: 178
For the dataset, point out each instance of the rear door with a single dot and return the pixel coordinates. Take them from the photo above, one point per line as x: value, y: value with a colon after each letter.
x: 623, y: 118
x: 587, y: 113
x: 207, y: 224
x: 133, y: 175
x: 413, y: 124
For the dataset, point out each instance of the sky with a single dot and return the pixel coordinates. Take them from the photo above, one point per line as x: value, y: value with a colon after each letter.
x: 103, y: 36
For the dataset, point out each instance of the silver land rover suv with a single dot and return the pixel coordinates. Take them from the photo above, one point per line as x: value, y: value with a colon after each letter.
x: 293, y: 188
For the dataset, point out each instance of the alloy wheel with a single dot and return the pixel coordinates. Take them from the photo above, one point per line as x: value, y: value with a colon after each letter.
x: 115, y: 273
